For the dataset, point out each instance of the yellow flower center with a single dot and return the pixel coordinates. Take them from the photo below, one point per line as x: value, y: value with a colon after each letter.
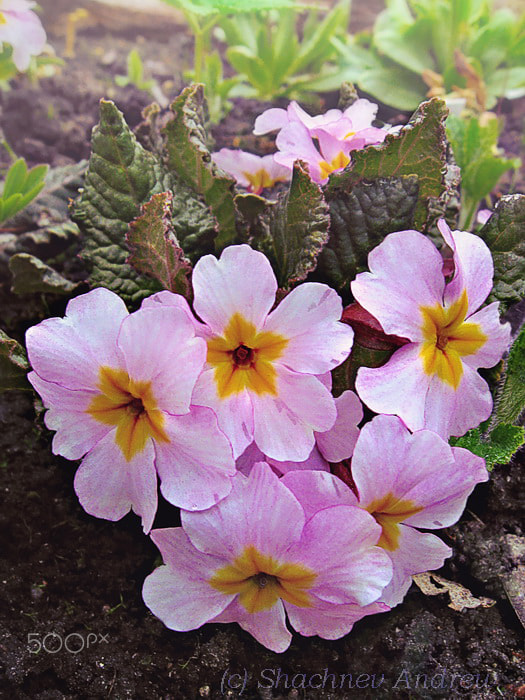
x: 3, y: 19
x: 129, y: 405
x: 447, y: 339
x: 243, y: 358
x: 340, y: 161
x: 260, y: 180
x: 389, y: 511
x: 260, y: 581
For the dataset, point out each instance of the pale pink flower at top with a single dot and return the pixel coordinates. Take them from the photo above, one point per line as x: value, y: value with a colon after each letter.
x: 405, y: 481
x: 325, y: 141
x: 361, y: 114
x: 255, y: 173
x: 21, y: 27
x: 117, y: 387
x: 260, y: 376
x: 332, y: 446
x: 432, y: 381
x: 256, y: 555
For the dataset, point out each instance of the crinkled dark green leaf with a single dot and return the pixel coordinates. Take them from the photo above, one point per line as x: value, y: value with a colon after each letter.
x: 31, y: 276
x: 13, y: 364
x: 155, y: 250
x: 504, y: 233
x: 360, y: 219
x: 190, y: 158
x: 496, y: 448
x: 510, y: 402
x: 343, y: 377
x: 290, y: 232
x: 419, y: 149
x: 121, y: 177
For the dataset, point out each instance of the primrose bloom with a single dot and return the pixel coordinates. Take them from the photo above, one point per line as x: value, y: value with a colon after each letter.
x: 325, y: 141
x: 262, y: 551
x: 21, y: 27
x: 255, y: 173
x: 405, y: 481
x: 332, y: 446
x: 117, y: 387
x: 260, y: 371
x: 432, y: 382
x: 360, y: 114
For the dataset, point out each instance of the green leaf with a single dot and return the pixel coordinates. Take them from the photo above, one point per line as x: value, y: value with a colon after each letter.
x: 13, y: 364
x: 121, y: 177
x: 504, y: 235
x: 360, y: 219
x: 419, y: 149
x: 155, y: 250
x: 496, y: 448
x: 205, y: 7
x: 189, y: 157
x: 31, y: 276
x: 15, y: 178
x: 298, y: 229
x: 510, y: 401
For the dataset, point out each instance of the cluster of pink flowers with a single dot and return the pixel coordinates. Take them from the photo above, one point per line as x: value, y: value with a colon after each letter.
x: 230, y: 404
x: 21, y: 28
x: 323, y: 142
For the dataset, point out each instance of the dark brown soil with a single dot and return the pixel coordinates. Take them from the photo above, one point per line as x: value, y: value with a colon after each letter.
x: 72, y: 584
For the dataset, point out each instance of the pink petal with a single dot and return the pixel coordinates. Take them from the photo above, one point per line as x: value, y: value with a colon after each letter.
x: 338, y: 443
x: 77, y: 432
x: 405, y: 274
x: 453, y: 412
x: 361, y: 113
x: 284, y: 425
x: 234, y: 414
x: 417, y: 552
x: 107, y: 485
x: 498, y: 335
x: 24, y: 31
x: 314, y: 461
x: 399, y: 387
x: 154, y: 341
x: 260, y: 511
x: 295, y: 143
x: 316, y: 490
x: 445, y: 500
x: 310, y: 317
x: 474, y: 268
x: 420, y: 468
x: 241, y: 281
x: 267, y: 627
x: 271, y: 119
x: 69, y: 351
x: 278, y: 172
x: 236, y: 163
x: 179, y: 593
x: 196, y: 465
x: 338, y: 544
x: 327, y: 620
x: 176, y: 301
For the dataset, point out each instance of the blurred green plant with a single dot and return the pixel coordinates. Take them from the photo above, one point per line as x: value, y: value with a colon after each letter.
x: 135, y: 74
x: 424, y: 48
x: 286, y: 53
x: 474, y: 141
x: 20, y: 187
x: 274, y: 47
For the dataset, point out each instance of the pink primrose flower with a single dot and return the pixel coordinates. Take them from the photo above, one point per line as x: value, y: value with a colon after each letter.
x: 255, y: 173
x: 405, y: 481
x: 117, y: 387
x: 432, y: 382
x: 257, y: 555
x: 337, y: 133
x: 332, y: 446
x: 261, y: 375
x: 21, y: 27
